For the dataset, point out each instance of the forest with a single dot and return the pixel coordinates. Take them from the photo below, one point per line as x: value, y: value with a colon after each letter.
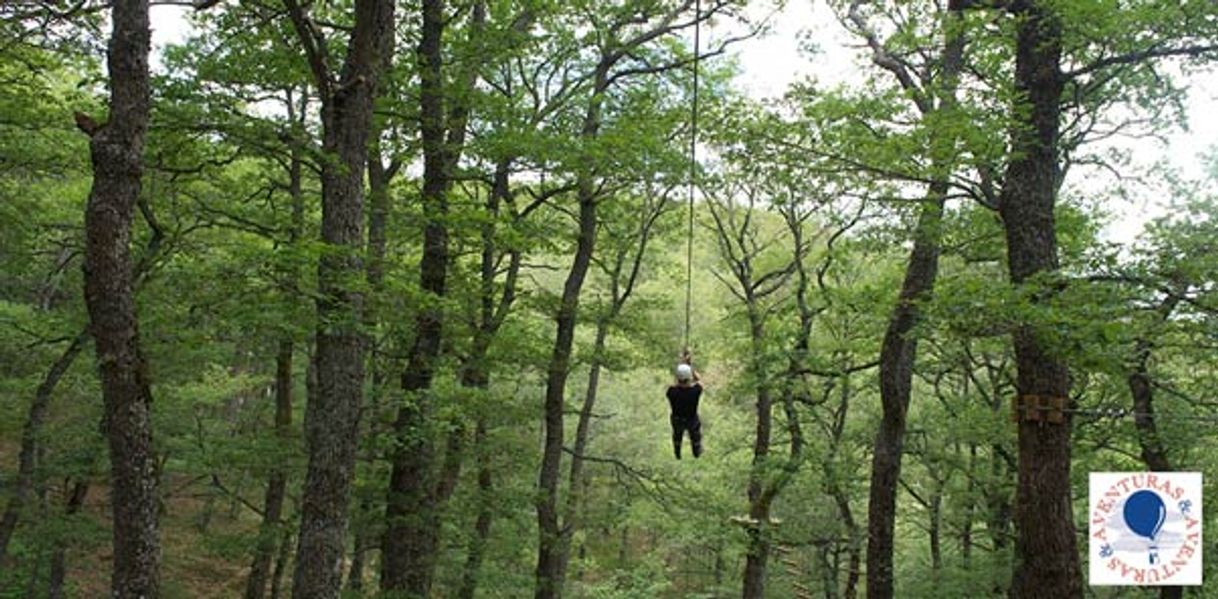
x: 381, y: 298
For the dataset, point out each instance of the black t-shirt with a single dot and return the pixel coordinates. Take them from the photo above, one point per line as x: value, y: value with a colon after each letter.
x: 684, y: 400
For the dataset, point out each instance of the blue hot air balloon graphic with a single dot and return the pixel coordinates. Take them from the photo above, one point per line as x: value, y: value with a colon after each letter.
x: 1144, y: 515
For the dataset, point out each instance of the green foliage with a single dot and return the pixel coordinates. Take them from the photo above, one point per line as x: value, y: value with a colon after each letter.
x: 227, y: 251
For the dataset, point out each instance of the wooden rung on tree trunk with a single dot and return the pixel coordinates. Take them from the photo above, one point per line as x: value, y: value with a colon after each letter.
x: 1038, y: 408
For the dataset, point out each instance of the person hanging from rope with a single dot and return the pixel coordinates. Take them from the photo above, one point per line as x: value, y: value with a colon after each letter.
x: 683, y: 401
x: 684, y: 395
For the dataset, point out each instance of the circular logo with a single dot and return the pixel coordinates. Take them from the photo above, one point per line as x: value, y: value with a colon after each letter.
x: 1145, y: 528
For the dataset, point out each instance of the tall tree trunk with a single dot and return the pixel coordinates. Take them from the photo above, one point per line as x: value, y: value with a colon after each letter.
x: 117, y: 154
x: 935, y: 533
x: 29, y: 442
x: 416, y: 495
x: 34, y: 576
x: 486, y: 513
x: 766, y: 478
x: 998, y: 503
x: 796, y: 390
x: 758, y: 551
x: 623, y: 548
x: 899, y: 347
x: 549, y: 583
x: 623, y: 275
x: 897, y: 355
x: 854, y: 564
x: 841, y: 496
x: 1141, y: 388
x: 998, y: 496
x: 828, y: 570
x: 276, y: 488
x: 76, y: 500
x: 380, y: 177
x: 854, y: 547
x: 1154, y: 453
x: 332, y: 417
x: 476, y: 370
x: 1047, y: 562
x: 966, y: 528
x: 407, y: 548
x: 281, y: 564
x: 576, y: 488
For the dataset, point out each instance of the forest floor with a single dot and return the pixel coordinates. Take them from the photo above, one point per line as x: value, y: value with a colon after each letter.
x: 197, y: 560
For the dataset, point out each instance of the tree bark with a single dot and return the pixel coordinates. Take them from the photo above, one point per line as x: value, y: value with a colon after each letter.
x: 764, y: 486
x: 899, y: 347
x: 34, y: 576
x: 796, y: 390
x: 407, y: 546
x: 998, y: 503
x: 1046, y: 551
x: 29, y: 442
x: 117, y: 155
x: 332, y: 417
x: 827, y: 568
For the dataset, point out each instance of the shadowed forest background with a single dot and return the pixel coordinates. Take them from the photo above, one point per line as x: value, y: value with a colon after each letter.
x: 368, y: 298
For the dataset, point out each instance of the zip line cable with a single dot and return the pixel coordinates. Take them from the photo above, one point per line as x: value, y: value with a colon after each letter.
x: 1119, y: 413
x: 693, y: 174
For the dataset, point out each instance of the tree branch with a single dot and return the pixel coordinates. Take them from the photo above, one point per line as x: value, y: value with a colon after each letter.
x: 881, y: 57
x: 1139, y: 56
x: 313, y: 46
x: 837, y: 373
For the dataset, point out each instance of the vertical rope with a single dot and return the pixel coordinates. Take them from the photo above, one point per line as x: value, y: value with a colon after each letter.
x: 693, y: 174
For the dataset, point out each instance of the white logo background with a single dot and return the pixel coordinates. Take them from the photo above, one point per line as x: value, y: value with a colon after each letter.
x: 1160, y: 544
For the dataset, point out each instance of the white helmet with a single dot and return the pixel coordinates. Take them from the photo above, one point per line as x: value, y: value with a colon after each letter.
x: 684, y: 372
